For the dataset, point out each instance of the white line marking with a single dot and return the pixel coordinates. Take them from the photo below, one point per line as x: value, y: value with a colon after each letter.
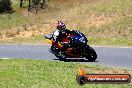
x: 5, y: 58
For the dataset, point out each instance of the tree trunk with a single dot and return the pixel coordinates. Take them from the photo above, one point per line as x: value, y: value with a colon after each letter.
x: 21, y: 2
x: 29, y: 5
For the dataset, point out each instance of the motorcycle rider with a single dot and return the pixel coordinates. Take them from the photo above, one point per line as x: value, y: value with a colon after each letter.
x: 60, y: 32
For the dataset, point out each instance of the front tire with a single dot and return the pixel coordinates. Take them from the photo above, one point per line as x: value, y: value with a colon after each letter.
x: 91, y: 54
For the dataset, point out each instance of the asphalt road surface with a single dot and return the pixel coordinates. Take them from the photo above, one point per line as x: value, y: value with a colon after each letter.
x: 108, y: 56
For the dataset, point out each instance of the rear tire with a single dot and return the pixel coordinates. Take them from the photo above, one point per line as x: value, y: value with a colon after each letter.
x: 91, y: 54
x: 62, y: 56
x: 62, y: 59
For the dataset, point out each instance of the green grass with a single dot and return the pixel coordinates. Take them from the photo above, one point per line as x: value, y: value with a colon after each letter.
x: 8, y: 21
x: 26, y: 73
x: 113, y: 7
x: 110, y: 41
x: 100, y: 41
x: 29, y: 40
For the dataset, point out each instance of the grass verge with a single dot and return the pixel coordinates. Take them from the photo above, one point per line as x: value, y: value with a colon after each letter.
x: 100, y: 41
x: 26, y: 73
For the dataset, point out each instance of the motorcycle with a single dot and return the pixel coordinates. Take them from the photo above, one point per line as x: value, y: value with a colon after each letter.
x: 73, y: 45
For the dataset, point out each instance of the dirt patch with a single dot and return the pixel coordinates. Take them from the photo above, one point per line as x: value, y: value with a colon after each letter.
x: 91, y: 21
x: 26, y: 31
x: 97, y: 21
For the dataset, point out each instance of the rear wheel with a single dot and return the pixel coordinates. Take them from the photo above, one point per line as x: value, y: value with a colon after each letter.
x: 62, y: 56
x: 90, y: 54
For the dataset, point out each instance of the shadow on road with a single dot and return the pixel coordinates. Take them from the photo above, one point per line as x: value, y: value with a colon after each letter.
x: 76, y: 60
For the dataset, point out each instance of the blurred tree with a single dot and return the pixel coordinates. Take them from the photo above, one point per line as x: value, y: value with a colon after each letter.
x: 35, y: 5
x: 5, y: 6
x: 21, y: 2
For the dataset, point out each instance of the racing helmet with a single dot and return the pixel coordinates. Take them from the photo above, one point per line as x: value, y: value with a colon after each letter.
x: 61, y: 26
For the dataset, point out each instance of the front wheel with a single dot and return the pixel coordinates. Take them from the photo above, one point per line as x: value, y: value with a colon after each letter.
x: 91, y: 54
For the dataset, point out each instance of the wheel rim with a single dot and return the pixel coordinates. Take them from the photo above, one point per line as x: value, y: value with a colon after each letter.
x: 62, y: 55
